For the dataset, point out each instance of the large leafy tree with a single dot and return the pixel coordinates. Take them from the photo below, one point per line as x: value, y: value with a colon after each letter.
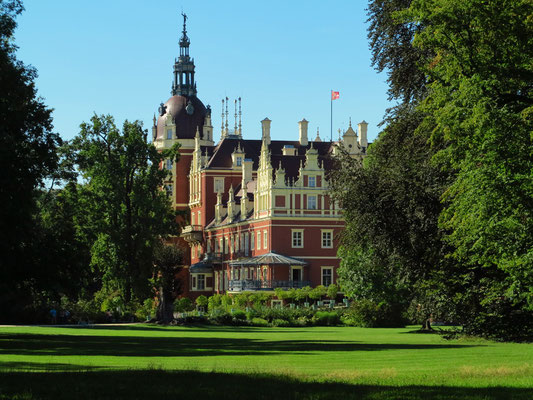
x: 27, y: 157
x: 127, y: 209
x: 479, y: 103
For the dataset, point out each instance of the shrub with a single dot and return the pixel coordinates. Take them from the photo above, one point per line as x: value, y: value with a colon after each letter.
x: 239, y: 315
x: 332, y: 291
x: 280, y: 322
x: 183, y: 305
x: 259, y: 322
x: 366, y: 313
x: 214, y: 301
x: 202, y: 301
x: 146, y: 311
x: 317, y: 293
x: 220, y: 317
x: 326, y: 318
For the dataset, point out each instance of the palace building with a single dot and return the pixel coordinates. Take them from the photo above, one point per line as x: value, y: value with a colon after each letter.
x: 259, y: 213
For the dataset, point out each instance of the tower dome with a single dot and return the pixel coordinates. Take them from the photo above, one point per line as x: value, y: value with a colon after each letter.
x: 186, y: 111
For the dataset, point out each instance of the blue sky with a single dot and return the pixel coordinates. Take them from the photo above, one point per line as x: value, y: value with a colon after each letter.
x: 282, y: 57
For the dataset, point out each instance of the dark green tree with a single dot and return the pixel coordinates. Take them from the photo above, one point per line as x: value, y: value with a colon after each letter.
x: 126, y: 206
x: 479, y: 104
x: 27, y: 157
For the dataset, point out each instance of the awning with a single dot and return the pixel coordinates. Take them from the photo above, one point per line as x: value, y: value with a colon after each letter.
x: 267, y: 259
x: 203, y: 266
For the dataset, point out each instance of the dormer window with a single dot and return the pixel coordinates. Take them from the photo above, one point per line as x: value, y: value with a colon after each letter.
x: 169, y: 133
x: 312, y: 181
x: 239, y: 161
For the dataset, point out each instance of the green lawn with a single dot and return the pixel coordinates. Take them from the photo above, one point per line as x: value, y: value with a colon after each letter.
x: 230, y: 362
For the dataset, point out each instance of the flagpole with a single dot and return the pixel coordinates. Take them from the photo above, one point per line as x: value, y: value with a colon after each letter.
x: 331, y: 115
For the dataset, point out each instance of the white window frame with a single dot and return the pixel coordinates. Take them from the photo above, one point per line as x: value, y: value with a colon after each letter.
x: 199, y: 222
x: 258, y: 240
x: 169, y: 133
x: 252, y: 240
x: 301, y: 239
x: 168, y: 164
x: 309, y: 197
x: 226, y: 245
x: 265, y: 239
x: 326, y: 268
x: 238, y: 161
x: 309, y: 181
x: 325, y: 232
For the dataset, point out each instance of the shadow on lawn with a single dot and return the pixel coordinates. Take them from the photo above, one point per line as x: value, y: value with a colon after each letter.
x: 142, y: 346
x: 150, y: 384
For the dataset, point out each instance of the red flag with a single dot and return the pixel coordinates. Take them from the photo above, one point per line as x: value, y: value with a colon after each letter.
x: 334, y: 95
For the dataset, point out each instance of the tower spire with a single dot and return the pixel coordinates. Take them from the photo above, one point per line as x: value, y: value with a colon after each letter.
x: 184, y: 84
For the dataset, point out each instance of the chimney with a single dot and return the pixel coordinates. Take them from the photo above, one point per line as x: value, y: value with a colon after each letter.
x: 231, y: 205
x: 218, y: 209
x: 266, y: 130
x: 246, y: 171
x: 362, y: 128
x: 303, y: 132
x: 244, y: 203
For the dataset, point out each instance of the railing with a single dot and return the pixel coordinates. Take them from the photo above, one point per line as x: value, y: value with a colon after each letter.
x: 250, y: 284
x: 192, y: 228
x: 192, y: 233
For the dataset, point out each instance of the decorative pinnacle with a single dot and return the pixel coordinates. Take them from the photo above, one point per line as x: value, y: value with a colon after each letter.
x: 240, y: 124
x: 222, y: 126
x: 235, y: 128
x: 227, y: 101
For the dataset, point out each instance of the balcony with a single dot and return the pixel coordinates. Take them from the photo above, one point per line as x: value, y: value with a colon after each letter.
x: 193, y: 233
x: 249, y: 284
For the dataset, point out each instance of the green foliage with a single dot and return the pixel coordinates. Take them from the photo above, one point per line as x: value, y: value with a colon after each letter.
x: 239, y: 315
x: 318, y: 292
x: 326, y: 318
x: 332, y: 291
x: 147, y: 310
x: 126, y: 208
x: 201, y: 301
x: 259, y: 322
x: 168, y: 259
x: 27, y: 157
x: 367, y: 314
x: 183, y: 305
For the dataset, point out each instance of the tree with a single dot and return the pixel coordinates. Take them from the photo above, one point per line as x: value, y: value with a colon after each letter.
x: 480, y: 104
x: 27, y: 157
x: 439, y: 215
x: 168, y: 260
x: 126, y: 206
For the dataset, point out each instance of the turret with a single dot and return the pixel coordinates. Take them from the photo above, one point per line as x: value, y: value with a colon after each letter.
x: 362, y: 128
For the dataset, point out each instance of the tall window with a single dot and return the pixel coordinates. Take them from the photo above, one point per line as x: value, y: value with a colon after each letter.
x: 168, y: 189
x: 169, y: 164
x: 265, y: 240
x: 297, y: 238
x: 239, y: 161
x: 311, y: 202
x: 327, y: 276
x: 327, y: 239
x: 200, y: 282
x: 246, y: 244
x: 258, y: 240
x: 252, y: 239
x: 169, y: 133
x: 226, y: 240
x: 218, y: 185
x: 199, y: 222
x: 312, y: 181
